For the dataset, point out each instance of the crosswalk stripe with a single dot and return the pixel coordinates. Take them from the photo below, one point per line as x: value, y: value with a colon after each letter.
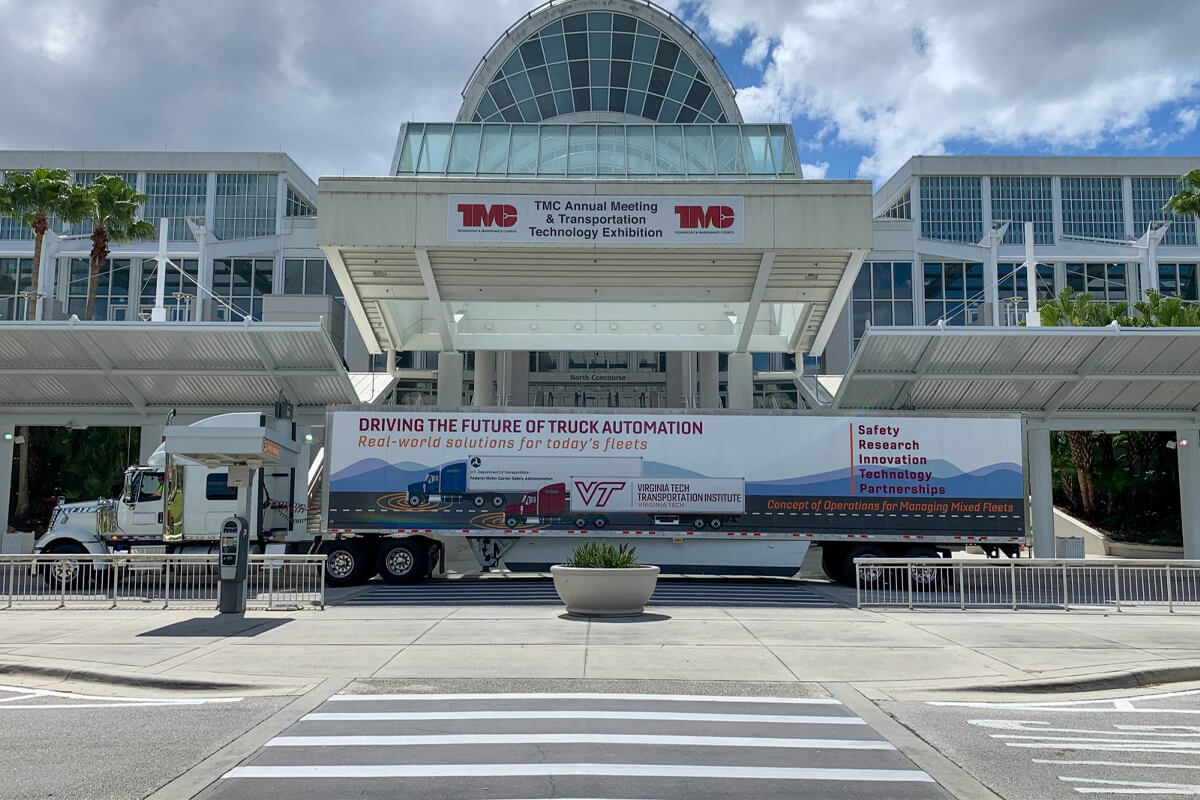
x: 657, y: 716
x: 577, y: 738
x: 677, y: 698
x: 614, y: 770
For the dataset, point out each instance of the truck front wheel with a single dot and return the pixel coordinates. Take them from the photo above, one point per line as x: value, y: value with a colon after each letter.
x: 401, y: 561
x: 415, y: 500
x: 67, y: 571
x: 345, y: 562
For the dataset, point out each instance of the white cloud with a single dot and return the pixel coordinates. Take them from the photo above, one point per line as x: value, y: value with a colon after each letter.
x: 815, y: 171
x: 900, y: 78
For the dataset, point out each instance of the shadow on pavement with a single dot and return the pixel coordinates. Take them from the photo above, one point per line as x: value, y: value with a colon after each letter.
x: 223, y: 625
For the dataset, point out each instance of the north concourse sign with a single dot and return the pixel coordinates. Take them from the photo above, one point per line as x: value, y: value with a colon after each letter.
x: 593, y: 219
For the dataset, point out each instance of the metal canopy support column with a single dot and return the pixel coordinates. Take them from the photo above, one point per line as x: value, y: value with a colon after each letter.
x: 7, y: 440
x: 1042, y: 492
x: 740, y: 381
x: 485, y: 375
x: 1187, y: 449
x: 756, y: 295
x: 840, y: 295
x: 710, y: 391
x: 450, y: 380
x: 441, y: 310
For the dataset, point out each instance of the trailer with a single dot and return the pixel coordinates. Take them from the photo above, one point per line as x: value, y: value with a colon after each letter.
x: 697, y: 492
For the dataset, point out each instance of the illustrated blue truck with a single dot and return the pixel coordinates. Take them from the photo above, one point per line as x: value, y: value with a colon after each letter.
x: 485, y: 481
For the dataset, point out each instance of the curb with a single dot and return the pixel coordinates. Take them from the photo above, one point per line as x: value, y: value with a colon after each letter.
x: 1130, y: 679
x: 121, y: 679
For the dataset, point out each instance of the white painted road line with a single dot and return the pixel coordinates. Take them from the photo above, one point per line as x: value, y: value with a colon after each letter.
x: 577, y: 738
x: 690, y: 771
x: 1133, y: 787
x: 1136, y: 765
x: 679, y: 698
x: 656, y: 716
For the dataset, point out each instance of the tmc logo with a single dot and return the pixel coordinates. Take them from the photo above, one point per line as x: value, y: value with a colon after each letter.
x: 704, y: 216
x: 596, y: 494
x: 478, y: 215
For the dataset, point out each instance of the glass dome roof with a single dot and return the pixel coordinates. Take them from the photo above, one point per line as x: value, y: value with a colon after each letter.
x: 600, y: 61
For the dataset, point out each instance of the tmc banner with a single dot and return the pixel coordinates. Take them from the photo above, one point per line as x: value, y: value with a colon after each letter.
x: 594, y: 219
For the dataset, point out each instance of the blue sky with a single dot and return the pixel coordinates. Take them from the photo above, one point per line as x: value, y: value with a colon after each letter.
x: 867, y: 83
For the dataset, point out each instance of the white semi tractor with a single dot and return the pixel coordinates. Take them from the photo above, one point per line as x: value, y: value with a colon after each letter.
x: 716, y: 492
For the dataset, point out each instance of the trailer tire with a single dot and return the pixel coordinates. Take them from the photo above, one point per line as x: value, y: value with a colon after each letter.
x: 698, y: 524
x: 497, y: 500
x: 831, y: 563
x: 346, y: 562
x: 71, y: 574
x: 872, y: 578
x: 715, y: 523
x: 599, y: 522
x: 479, y: 501
x: 927, y: 579
x: 401, y: 561
x: 580, y: 523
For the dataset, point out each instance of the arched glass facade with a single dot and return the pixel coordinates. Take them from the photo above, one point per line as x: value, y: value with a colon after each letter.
x: 599, y: 61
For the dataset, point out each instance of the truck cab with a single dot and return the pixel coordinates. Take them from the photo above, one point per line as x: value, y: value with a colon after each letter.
x: 548, y: 504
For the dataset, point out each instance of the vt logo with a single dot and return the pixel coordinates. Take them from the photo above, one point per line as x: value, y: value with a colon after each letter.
x: 596, y: 494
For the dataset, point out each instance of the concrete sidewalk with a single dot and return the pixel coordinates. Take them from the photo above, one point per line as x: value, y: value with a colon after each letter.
x: 886, y: 654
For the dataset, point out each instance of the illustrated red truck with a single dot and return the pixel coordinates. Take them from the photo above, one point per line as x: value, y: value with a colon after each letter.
x: 695, y: 503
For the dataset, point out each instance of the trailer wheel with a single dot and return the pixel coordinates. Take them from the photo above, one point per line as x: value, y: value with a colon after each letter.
x: 599, y: 522
x: 479, y: 501
x: 832, y: 556
x: 698, y: 524
x: 497, y: 500
x: 715, y: 523
x: 401, y: 561
x: 345, y: 562
x: 872, y: 577
x: 580, y: 522
x: 927, y: 578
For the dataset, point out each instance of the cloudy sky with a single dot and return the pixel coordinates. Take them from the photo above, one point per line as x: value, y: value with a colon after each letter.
x: 867, y: 83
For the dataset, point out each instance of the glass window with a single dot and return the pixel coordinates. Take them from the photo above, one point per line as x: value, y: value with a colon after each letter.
x: 1150, y: 195
x: 951, y: 209
x: 179, y: 287
x: 882, y: 295
x: 177, y: 196
x: 464, y: 150
x: 16, y: 276
x: 901, y: 207
x: 700, y: 159
x: 1106, y: 283
x: 581, y: 147
x: 245, y: 205
x: 552, y: 153
x: 953, y: 293
x: 434, y: 149
x: 603, y: 50
x: 216, y: 487
x: 668, y: 146
x: 240, y: 283
x: 297, y: 206
x: 1092, y: 208
x: 112, y: 289
x: 1022, y: 200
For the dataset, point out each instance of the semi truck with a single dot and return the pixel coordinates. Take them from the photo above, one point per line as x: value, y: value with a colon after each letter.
x: 697, y: 492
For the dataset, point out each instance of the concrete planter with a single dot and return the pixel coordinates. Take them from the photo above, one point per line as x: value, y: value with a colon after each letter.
x: 605, y: 592
x: 1135, y: 550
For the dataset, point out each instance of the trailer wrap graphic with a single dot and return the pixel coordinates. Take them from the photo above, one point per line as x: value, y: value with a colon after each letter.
x: 488, y: 471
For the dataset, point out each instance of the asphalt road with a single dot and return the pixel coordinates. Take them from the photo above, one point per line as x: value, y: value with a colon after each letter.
x: 447, y: 746
x: 1146, y: 745
x: 111, y: 748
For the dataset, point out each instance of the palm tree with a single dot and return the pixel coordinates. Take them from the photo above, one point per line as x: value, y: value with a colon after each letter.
x: 1186, y: 203
x: 115, y: 214
x: 35, y: 197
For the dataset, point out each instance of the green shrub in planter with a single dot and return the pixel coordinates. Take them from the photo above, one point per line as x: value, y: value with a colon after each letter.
x: 597, y: 554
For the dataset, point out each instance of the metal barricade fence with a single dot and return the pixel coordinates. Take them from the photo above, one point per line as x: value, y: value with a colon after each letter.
x: 155, y: 580
x: 1027, y: 583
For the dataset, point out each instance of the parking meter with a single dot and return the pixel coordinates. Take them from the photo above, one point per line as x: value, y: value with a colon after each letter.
x: 235, y: 545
